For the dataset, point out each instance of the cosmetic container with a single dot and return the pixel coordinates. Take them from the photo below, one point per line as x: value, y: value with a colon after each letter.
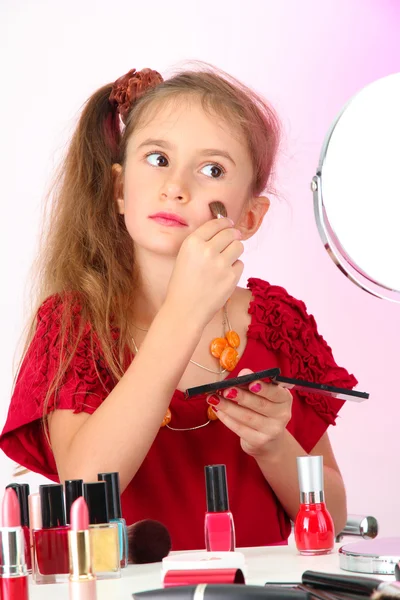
x: 50, y: 543
x: 219, y: 527
x: 115, y: 513
x: 104, y: 542
x: 22, y: 491
x: 313, y: 529
x: 13, y: 570
x: 73, y: 489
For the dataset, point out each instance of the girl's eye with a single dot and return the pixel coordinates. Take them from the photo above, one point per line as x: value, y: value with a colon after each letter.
x: 156, y: 159
x: 213, y: 170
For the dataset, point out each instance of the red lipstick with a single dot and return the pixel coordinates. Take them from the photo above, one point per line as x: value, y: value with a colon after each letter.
x: 168, y: 219
x: 13, y: 571
x: 82, y: 582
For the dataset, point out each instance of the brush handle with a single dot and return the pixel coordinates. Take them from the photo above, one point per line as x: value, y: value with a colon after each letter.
x: 341, y: 583
x: 224, y: 592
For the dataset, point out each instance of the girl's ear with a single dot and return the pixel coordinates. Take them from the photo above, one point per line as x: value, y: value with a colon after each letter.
x: 118, y: 188
x: 252, y: 216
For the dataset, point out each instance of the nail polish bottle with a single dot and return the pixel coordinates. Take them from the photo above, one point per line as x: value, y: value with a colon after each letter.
x: 50, y: 543
x: 22, y: 491
x: 313, y: 529
x: 73, y: 489
x: 35, y: 520
x: 219, y: 526
x: 103, y: 535
x: 115, y: 513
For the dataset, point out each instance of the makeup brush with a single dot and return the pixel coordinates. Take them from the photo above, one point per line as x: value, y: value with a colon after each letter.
x: 148, y: 542
x: 367, y: 586
x: 223, y: 592
x: 218, y: 209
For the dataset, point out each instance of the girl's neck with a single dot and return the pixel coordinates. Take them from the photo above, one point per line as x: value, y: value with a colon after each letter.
x: 154, y: 273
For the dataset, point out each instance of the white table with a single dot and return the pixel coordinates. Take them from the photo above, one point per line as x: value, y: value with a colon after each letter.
x: 274, y: 563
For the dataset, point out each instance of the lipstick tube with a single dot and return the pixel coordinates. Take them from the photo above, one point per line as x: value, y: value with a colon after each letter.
x: 13, y: 570
x: 82, y: 582
x: 22, y: 491
x: 313, y: 529
x: 219, y: 527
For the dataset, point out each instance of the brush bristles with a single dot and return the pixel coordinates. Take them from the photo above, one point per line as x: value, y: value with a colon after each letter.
x: 387, y: 591
x: 149, y: 541
x: 218, y: 209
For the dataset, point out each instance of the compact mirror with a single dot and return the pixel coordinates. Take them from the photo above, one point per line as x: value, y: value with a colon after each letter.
x: 357, y: 189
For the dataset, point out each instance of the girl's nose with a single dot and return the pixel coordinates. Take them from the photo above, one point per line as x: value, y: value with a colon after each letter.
x: 173, y: 190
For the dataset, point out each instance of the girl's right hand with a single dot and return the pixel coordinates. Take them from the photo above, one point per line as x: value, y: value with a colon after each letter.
x: 207, y: 270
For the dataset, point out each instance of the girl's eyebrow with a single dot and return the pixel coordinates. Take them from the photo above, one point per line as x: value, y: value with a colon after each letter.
x: 205, y: 152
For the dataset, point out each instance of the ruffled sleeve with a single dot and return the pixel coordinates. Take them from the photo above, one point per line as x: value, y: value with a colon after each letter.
x: 82, y: 389
x: 283, y: 325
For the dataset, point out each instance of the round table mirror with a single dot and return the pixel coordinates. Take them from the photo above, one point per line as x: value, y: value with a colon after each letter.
x: 357, y: 189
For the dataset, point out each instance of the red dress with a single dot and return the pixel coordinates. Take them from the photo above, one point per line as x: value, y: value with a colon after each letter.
x: 169, y: 486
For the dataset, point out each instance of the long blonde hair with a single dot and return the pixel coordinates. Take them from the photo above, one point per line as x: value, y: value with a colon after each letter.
x: 87, y: 256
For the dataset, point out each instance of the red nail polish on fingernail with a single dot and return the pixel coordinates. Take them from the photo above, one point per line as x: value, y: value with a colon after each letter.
x: 231, y: 394
x: 256, y: 387
x: 213, y: 400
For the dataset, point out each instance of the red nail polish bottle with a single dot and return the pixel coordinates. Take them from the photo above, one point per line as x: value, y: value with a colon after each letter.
x: 219, y: 526
x: 22, y: 491
x: 50, y: 544
x: 313, y: 528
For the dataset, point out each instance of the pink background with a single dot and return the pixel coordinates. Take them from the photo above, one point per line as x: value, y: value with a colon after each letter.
x: 308, y: 58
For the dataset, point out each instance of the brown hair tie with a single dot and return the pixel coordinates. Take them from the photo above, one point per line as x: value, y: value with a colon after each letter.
x: 131, y: 87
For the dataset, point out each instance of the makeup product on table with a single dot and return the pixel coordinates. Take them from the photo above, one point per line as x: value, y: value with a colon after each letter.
x: 73, y: 489
x: 103, y: 535
x: 378, y: 556
x: 313, y: 529
x: 82, y: 582
x: 148, y: 542
x: 203, y: 567
x: 22, y: 491
x: 35, y: 519
x: 203, y: 576
x: 223, y: 592
x: 50, y: 543
x: 13, y: 569
x: 218, y: 209
x: 219, y: 526
x: 334, y: 582
x: 115, y: 513
x: 363, y: 526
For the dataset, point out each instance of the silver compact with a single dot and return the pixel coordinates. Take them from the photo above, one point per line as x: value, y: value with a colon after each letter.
x: 378, y: 556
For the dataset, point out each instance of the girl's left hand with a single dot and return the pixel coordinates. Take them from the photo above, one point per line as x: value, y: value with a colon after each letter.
x: 258, y: 415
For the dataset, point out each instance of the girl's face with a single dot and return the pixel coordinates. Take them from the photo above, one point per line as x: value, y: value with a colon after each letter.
x: 178, y: 162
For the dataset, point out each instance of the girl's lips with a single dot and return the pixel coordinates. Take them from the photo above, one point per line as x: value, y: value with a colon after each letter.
x: 168, y: 219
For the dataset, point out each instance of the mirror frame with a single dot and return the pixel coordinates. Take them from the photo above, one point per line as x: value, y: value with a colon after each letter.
x: 329, y: 238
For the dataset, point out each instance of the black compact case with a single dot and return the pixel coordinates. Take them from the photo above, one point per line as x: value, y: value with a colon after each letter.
x: 274, y: 376
x: 209, y: 388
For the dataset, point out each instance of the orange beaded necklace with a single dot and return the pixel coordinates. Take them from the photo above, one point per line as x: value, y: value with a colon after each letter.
x: 225, y: 349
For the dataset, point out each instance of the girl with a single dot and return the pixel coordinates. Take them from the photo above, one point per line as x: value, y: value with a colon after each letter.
x: 137, y: 281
